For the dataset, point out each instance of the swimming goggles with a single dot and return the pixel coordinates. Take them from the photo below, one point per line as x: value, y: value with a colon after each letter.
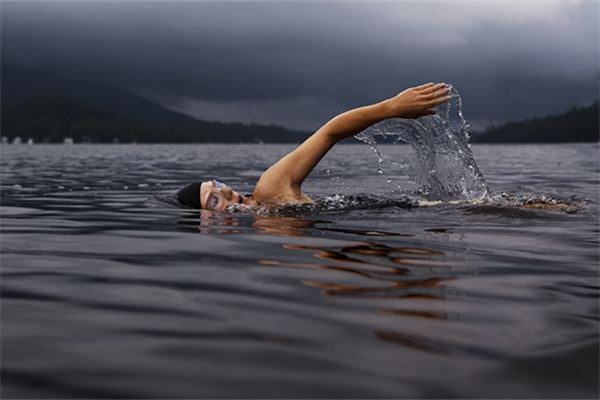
x: 218, y: 184
x: 215, y: 199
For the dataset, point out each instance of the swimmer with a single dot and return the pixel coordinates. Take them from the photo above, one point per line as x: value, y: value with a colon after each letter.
x: 281, y: 184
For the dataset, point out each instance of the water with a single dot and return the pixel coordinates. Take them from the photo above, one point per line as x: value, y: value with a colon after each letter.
x: 443, y: 166
x: 108, y: 290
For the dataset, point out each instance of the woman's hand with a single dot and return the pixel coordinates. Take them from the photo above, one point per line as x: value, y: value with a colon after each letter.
x: 417, y: 101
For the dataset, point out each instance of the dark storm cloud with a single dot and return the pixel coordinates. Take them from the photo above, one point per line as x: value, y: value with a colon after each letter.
x: 298, y: 63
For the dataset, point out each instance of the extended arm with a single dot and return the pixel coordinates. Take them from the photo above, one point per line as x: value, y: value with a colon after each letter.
x: 283, y: 180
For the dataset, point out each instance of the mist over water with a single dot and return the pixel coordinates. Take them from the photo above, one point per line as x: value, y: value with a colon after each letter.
x: 442, y: 166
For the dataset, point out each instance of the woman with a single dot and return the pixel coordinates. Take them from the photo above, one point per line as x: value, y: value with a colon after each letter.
x: 282, y: 182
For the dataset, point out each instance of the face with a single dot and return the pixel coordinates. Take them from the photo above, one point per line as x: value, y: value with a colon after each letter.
x: 217, y: 196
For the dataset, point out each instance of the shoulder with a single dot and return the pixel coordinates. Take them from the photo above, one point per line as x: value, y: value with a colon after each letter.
x: 279, y: 194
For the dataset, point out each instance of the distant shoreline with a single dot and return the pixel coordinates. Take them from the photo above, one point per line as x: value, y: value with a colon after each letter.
x: 282, y: 143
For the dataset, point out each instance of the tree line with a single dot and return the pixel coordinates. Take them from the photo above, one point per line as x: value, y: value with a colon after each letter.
x: 579, y: 124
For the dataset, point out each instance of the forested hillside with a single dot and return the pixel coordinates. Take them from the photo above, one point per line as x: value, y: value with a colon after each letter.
x: 49, y: 119
x: 575, y: 125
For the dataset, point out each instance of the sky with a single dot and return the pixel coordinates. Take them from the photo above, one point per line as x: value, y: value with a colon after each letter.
x: 298, y: 64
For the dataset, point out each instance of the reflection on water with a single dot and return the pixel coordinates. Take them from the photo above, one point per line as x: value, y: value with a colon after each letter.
x: 392, y: 273
x: 386, y: 273
x: 211, y: 222
x: 284, y: 226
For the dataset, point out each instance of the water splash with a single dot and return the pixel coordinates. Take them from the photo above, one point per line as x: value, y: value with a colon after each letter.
x: 443, y: 166
x: 338, y: 203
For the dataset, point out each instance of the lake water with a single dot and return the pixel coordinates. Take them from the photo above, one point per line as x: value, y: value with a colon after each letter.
x: 109, y: 290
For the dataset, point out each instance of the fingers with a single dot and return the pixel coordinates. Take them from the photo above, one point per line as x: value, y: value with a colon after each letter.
x: 437, y: 91
x: 433, y: 88
x: 425, y: 85
x: 437, y: 101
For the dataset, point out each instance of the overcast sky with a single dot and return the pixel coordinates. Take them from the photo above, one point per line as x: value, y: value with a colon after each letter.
x: 298, y: 64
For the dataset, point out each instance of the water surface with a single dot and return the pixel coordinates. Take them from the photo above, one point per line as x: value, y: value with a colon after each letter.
x: 109, y: 290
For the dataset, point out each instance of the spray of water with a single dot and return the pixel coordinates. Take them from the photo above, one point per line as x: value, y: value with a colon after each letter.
x: 443, y: 166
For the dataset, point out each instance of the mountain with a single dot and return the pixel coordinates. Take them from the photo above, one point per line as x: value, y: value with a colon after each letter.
x: 576, y: 125
x: 26, y: 92
x: 49, y: 119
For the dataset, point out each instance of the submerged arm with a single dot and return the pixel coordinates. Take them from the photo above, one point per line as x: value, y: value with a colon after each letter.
x: 284, y: 179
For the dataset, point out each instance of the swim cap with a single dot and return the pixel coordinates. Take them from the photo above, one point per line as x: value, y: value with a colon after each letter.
x: 189, y: 195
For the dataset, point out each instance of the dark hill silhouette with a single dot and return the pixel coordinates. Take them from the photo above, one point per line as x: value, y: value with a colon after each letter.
x: 52, y: 118
x: 24, y: 90
x: 575, y: 125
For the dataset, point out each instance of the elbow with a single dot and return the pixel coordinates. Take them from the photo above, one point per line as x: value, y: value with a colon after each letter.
x: 329, y: 133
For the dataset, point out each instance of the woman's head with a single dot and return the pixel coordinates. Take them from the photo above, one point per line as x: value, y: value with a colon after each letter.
x: 210, y: 195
